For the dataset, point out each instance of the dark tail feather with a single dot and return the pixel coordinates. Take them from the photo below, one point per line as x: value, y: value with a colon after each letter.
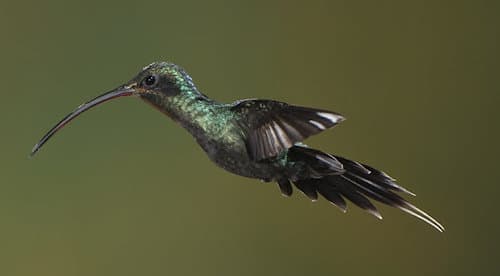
x: 358, y: 183
x: 331, y: 194
x: 376, y: 191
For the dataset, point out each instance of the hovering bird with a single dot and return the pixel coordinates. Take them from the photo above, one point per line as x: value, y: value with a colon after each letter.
x: 260, y: 139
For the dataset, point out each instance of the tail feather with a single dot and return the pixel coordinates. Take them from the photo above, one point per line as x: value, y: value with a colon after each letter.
x: 372, y: 174
x: 285, y: 187
x: 309, y: 190
x: 345, y: 188
x: 358, y: 183
x: 331, y: 194
x: 384, y: 178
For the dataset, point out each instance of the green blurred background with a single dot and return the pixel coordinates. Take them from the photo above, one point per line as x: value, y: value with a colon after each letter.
x: 124, y: 191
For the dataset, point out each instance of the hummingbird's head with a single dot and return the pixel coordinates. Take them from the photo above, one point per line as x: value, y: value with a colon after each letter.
x: 162, y: 79
x: 156, y: 84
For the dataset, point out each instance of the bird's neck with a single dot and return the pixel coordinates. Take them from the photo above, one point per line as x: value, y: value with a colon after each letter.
x: 191, y: 109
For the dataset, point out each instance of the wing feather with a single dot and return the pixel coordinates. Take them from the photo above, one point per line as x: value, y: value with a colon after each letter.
x: 272, y: 127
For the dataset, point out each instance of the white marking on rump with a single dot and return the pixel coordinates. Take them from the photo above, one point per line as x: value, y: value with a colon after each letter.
x: 317, y: 124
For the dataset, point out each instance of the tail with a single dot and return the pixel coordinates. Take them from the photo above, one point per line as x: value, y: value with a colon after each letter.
x: 337, y: 179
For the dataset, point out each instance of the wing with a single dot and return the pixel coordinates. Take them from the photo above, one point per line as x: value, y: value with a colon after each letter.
x: 273, y: 126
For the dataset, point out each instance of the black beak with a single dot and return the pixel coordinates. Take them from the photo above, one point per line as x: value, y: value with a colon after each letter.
x: 118, y: 92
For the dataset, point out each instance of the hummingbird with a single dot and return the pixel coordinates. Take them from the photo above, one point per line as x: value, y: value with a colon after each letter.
x: 260, y: 139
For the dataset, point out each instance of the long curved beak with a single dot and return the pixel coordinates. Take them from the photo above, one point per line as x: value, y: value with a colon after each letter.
x: 118, y: 92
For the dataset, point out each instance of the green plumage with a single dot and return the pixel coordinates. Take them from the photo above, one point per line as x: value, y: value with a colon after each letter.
x: 260, y: 139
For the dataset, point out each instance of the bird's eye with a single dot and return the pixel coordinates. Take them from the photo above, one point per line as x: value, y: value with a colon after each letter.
x: 150, y: 80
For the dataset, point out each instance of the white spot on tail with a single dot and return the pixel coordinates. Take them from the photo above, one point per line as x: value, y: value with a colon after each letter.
x: 330, y: 160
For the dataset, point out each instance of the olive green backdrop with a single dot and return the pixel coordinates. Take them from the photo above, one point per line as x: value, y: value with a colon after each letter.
x: 124, y: 191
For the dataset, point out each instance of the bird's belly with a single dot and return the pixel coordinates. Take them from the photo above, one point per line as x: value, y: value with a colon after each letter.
x: 234, y: 159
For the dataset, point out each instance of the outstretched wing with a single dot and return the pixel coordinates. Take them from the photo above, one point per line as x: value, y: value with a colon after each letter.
x: 273, y: 126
